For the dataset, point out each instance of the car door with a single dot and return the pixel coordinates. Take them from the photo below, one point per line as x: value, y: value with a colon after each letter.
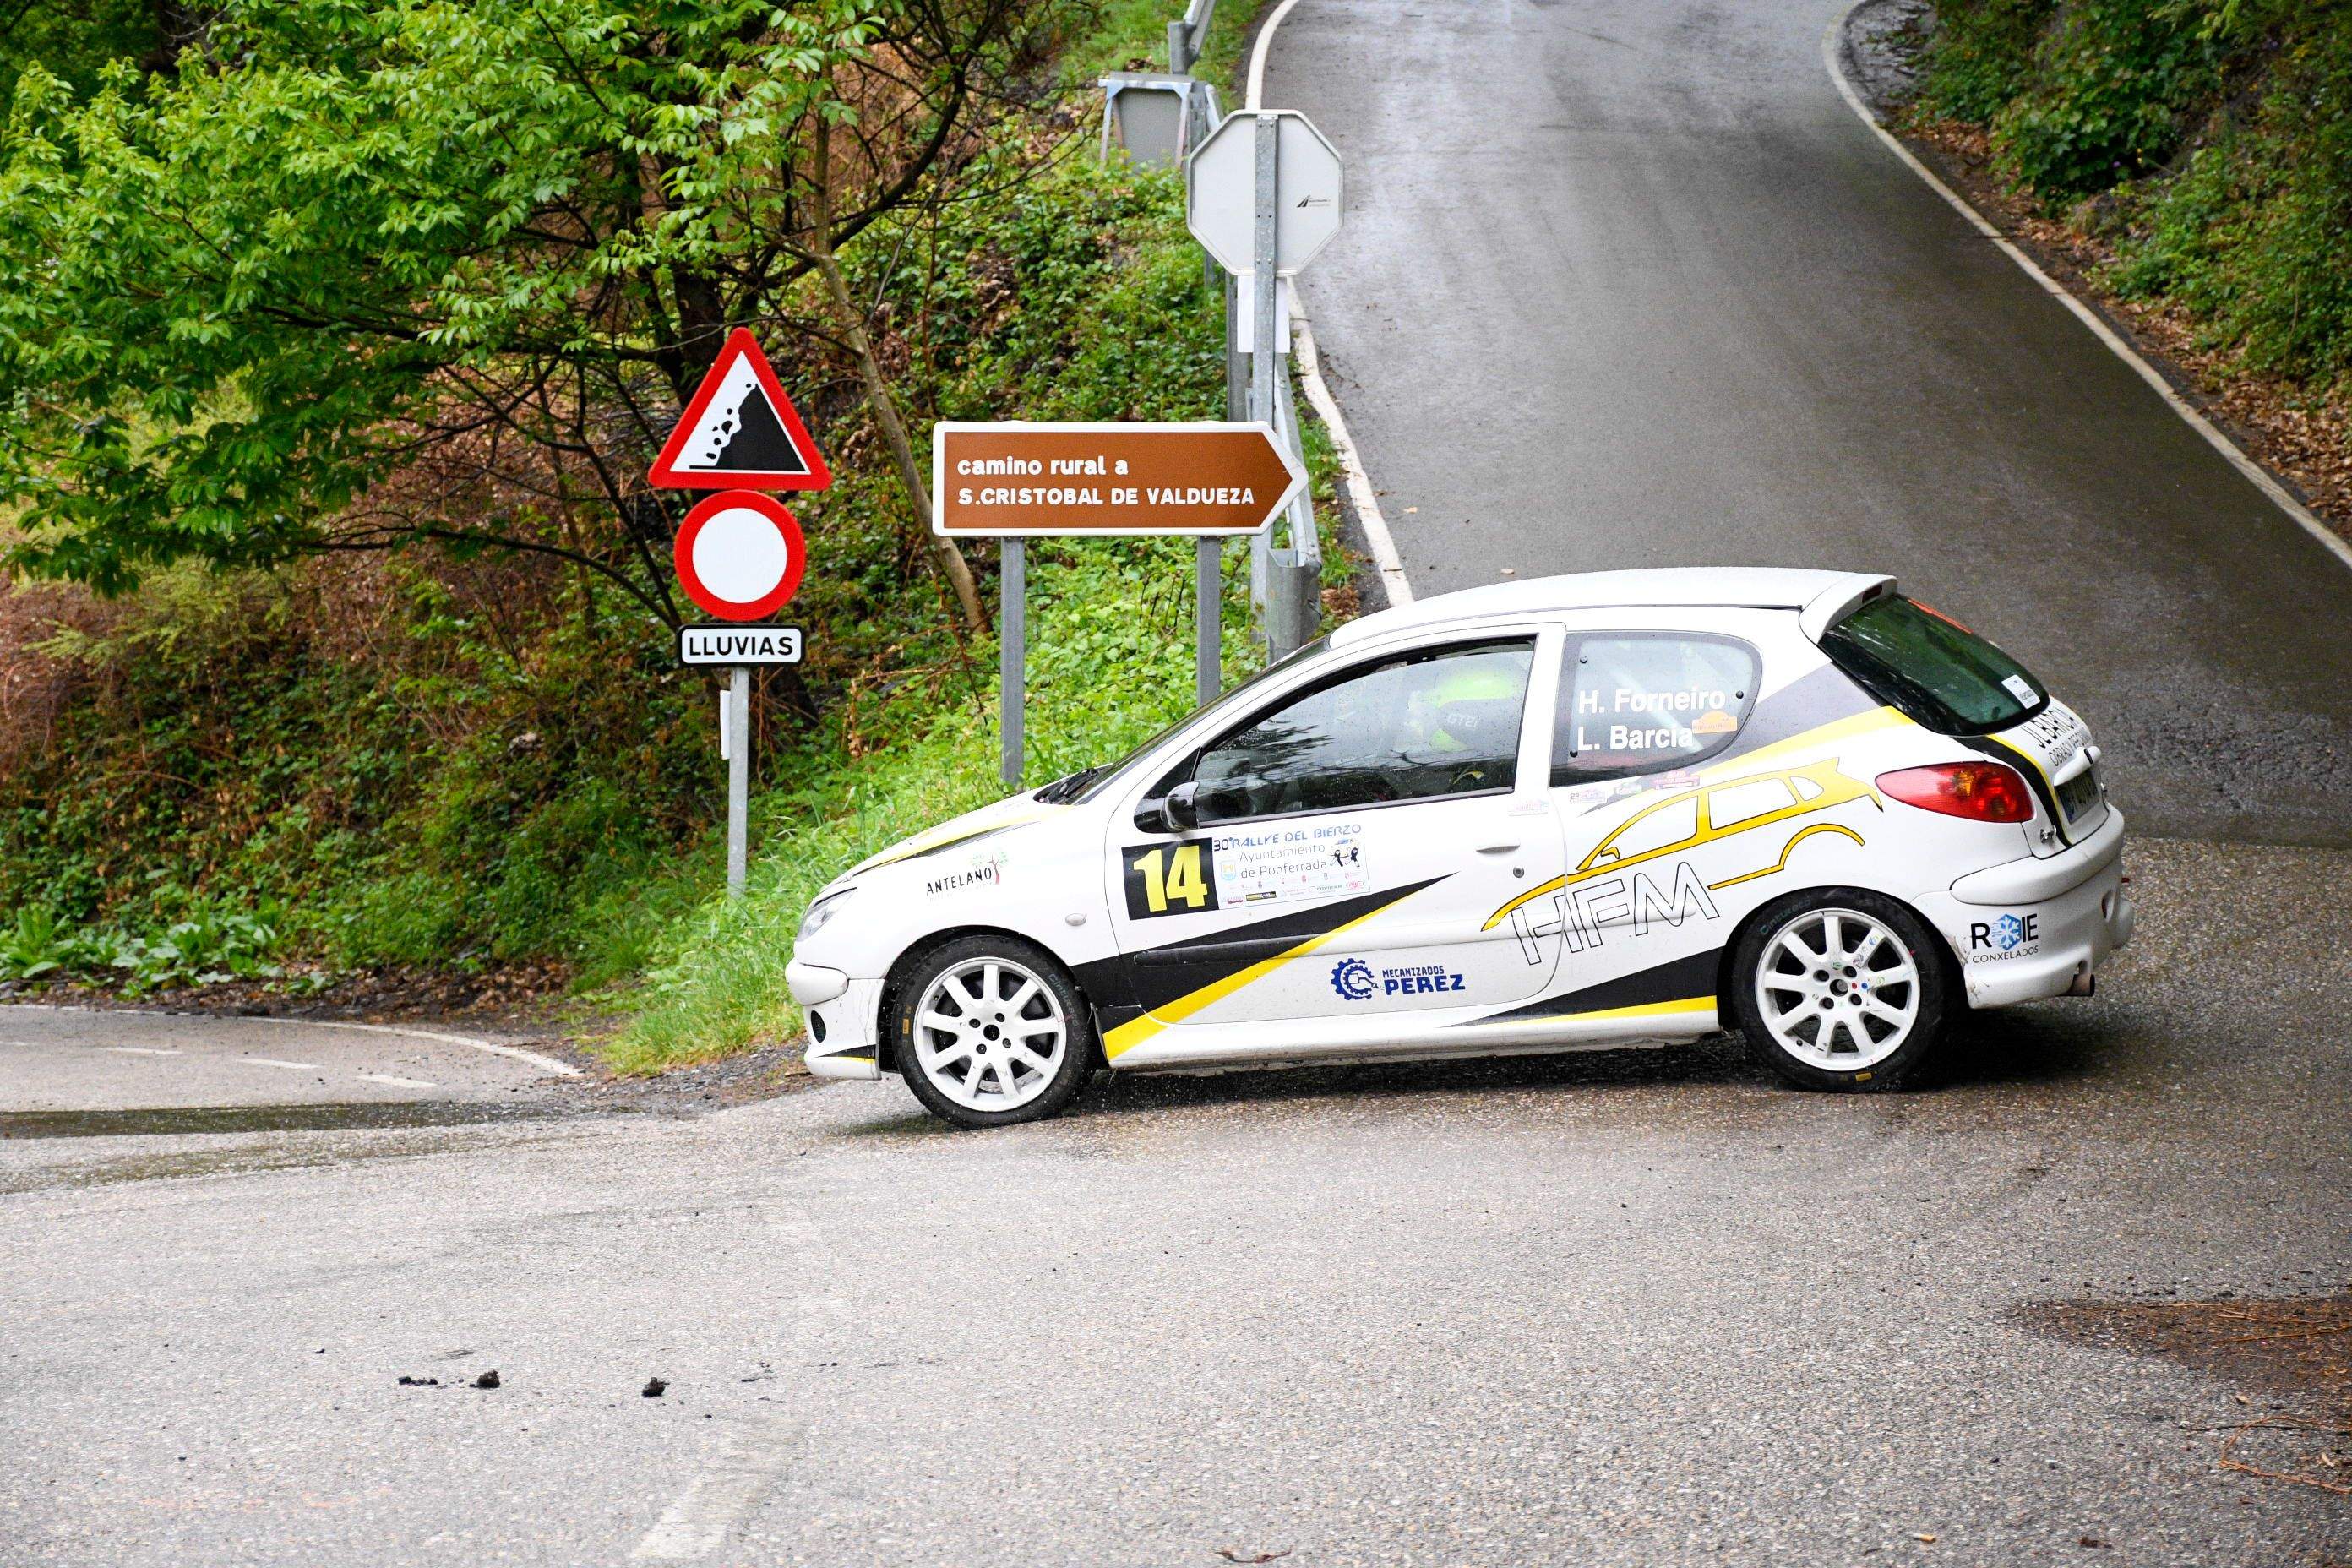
x: 1352, y: 836
x: 1659, y: 845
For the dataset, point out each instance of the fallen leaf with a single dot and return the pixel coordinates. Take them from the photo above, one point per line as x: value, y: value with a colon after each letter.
x: 1229, y: 1555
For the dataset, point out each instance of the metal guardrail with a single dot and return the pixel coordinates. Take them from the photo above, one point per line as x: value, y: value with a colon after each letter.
x: 1189, y: 35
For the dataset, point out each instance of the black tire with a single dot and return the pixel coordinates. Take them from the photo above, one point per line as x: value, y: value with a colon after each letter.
x: 1846, y: 998
x: 948, y: 1097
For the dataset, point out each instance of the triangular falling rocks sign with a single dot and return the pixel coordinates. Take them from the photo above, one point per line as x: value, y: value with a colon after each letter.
x: 739, y: 431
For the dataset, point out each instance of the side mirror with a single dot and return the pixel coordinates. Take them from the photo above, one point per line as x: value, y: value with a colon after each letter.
x: 1179, y: 806
x: 1151, y: 816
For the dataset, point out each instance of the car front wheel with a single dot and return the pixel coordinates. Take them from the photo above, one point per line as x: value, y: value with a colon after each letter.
x: 990, y: 1031
x: 1840, y: 989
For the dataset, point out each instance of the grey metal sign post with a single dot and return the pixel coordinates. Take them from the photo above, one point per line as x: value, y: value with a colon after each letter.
x: 1263, y: 195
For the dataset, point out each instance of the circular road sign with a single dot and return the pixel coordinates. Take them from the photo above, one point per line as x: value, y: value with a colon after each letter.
x: 1220, y: 191
x: 740, y: 555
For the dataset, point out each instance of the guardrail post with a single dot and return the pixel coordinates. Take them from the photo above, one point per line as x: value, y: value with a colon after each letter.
x: 1179, y: 46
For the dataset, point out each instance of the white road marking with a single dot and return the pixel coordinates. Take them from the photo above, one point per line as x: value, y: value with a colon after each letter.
x: 1366, y: 500
x: 274, y: 1062
x: 1258, y: 51
x: 514, y: 1052
x: 696, y: 1524
x: 2262, y: 480
x: 396, y: 1082
x: 1360, y: 494
x: 139, y: 1051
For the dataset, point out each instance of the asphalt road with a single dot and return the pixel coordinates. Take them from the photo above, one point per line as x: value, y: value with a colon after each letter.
x: 1633, y: 1308
x: 1625, y: 283
x: 1636, y: 1308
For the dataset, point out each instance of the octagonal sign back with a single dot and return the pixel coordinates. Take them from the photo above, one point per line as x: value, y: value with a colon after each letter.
x: 1220, y: 191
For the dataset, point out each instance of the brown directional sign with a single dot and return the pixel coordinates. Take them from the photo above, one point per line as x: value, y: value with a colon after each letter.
x: 1017, y: 480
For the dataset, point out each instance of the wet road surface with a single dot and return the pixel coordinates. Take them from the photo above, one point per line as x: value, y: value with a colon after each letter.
x: 58, y: 1062
x: 1634, y: 1308
x: 1625, y: 283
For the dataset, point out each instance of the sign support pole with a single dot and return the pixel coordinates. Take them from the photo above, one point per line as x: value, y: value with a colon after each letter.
x: 739, y: 774
x: 1267, y: 361
x: 1013, y: 658
x: 1208, y: 657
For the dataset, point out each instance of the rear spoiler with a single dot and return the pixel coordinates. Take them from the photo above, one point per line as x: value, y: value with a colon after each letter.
x: 1830, y: 606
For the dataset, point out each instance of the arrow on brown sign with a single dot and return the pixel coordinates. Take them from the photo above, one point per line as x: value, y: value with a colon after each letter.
x: 1013, y: 480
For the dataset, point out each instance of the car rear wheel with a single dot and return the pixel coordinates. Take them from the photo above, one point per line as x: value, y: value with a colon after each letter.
x: 1840, y: 989
x: 990, y: 1031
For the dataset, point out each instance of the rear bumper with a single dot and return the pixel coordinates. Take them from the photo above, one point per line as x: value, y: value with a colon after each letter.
x: 2037, y: 928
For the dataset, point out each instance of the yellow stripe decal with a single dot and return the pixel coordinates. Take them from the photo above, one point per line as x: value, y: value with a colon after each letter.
x: 1654, y: 1009
x: 1135, y: 1031
x: 1868, y: 723
x: 1796, y: 838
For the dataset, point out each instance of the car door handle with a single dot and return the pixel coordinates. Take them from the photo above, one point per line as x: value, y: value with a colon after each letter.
x: 1499, y: 849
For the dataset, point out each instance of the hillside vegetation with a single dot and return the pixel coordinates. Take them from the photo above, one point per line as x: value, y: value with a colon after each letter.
x: 338, y: 638
x: 2208, y: 144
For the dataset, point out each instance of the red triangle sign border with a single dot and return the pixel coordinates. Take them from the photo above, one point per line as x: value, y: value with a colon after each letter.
x: 666, y: 475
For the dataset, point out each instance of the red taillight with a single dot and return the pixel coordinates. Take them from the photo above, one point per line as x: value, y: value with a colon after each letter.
x: 1982, y: 792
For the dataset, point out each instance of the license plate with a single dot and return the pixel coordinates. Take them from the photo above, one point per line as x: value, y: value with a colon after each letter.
x: 2079, y: 793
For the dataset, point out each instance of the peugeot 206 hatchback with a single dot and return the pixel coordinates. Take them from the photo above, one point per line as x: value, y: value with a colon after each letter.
x: 1622, y: 809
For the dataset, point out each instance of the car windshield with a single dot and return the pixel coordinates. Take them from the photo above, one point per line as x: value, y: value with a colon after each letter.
x: 1932, y: 669
x: 1096, y: 781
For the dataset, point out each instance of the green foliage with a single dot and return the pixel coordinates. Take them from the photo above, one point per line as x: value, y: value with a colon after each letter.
x: 2218, y: 131
x: 500, y: 234
x: 2114, y: 87
x: 35, y: 946
x: 1981, y: 54
x: 2255, y: 234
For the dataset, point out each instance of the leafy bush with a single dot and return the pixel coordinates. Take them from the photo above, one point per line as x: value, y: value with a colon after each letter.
x: 2114, y: 87
x: 2221, y: 131
x: 1979, y: 55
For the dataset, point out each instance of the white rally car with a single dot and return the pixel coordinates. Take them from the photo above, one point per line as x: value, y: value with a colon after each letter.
x: 1580, y: 812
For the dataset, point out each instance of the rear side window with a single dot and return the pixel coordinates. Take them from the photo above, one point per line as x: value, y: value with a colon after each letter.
x: 1932, y: 670
x: 1640, y: 703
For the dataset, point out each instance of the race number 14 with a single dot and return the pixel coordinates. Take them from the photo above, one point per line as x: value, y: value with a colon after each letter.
x: 1170, y: 879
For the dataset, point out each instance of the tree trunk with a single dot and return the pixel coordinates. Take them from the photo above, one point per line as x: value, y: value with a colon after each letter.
x: 877, y: 391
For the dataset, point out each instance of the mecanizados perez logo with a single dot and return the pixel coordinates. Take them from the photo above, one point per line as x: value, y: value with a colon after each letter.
x: 1357, y: 981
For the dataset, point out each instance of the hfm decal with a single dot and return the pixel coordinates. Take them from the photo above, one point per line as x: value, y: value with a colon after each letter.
x: 1579, y: 913
x: 1763, y: 799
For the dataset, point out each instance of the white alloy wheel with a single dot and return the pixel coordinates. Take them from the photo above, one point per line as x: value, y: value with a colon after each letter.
x: 990, y: 1034
x: 1838, y: 989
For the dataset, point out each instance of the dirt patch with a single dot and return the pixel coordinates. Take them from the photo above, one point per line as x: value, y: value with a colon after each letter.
x: 2294, y: 1352
x: 2303, y: 437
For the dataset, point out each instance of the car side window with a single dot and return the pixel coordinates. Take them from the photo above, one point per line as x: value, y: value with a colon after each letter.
x: 1639, y: 703
x: 1440, y: 722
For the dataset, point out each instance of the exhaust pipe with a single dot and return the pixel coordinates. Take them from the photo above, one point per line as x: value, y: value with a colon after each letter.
x: 2085, y: 984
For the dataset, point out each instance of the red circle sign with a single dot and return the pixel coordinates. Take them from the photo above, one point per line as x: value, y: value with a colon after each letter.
x: 740, y: 555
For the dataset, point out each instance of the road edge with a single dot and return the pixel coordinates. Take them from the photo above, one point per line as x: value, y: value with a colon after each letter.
x: 1834, y: 40
x: 1361, y: 496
